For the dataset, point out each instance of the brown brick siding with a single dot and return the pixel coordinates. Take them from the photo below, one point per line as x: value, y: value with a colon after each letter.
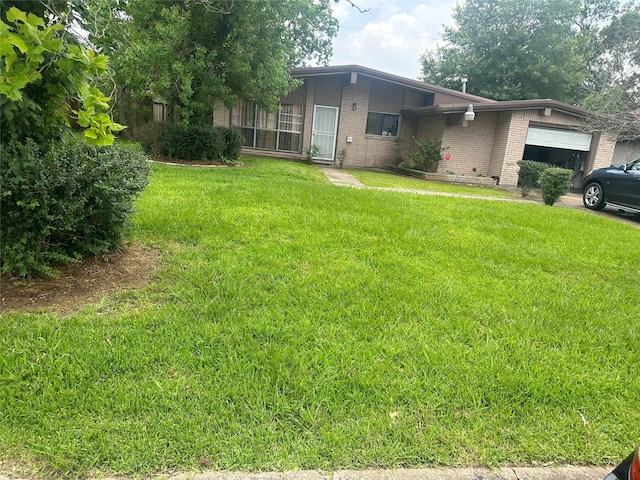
x: 469, y: 146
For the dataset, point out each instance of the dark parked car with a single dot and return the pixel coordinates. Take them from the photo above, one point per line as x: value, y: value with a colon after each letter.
x: 629, y: 469
x: 613, y: 186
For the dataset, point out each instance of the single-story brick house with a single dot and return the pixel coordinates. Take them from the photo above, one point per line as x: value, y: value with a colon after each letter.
x: 373, y: 118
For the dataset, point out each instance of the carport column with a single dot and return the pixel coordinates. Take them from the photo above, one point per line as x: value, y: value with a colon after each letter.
x: 514, y: 148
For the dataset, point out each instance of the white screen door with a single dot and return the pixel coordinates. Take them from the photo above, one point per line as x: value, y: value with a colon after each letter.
x: 325, y: 128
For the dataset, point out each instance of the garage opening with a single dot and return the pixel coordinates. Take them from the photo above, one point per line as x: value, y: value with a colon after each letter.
x: 561, y: 148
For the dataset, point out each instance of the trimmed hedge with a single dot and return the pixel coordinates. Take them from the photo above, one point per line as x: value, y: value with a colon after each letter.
x: 191, y: 142
x: 63, y: 202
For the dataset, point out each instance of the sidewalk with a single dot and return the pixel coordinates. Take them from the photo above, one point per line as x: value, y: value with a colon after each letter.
x: 532, y: 473
x: 515, y: 473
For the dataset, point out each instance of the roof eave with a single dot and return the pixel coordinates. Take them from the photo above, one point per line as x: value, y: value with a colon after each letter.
x: 387, y: 77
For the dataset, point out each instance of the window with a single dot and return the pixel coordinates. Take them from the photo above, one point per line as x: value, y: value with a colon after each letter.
x: 280, y: 130
x: 383, y: 124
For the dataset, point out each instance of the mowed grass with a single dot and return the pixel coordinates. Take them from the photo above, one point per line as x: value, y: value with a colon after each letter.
x: 299, y: 325
x: 391, y: 180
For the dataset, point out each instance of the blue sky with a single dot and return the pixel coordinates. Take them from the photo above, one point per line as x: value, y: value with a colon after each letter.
x: 392, y: 35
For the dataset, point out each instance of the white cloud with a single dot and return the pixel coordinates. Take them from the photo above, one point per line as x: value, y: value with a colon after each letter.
x: 340, y: 10
x: 392, y: 35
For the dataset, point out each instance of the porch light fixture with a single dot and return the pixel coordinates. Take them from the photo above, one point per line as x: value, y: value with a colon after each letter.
x: 469, y: 115
x: 354, y: 107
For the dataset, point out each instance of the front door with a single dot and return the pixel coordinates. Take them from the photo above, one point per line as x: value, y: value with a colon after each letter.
x: 325, y: 128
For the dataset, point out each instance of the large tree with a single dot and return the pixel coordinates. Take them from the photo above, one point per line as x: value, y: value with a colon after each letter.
x: 615, y: 87
x: 519, y: 49
x: 189, y: 52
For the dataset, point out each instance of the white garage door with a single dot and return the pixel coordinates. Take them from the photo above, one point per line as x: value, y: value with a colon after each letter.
x: 567, y: 139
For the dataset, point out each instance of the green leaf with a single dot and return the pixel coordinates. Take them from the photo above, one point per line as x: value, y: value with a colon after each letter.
x: 17, y: 41
x: 14, y: 14
x: 34, y: 20
x: 90, y: 134
x: 83, y: 119
x: 6, y: 47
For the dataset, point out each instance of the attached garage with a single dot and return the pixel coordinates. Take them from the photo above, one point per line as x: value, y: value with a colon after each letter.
x: 559, y: 147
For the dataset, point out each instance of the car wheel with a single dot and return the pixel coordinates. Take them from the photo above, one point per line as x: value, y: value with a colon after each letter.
x: 593, y: 197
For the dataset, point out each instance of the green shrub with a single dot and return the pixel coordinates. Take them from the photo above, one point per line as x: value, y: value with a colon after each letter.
x: 425, y: 156
x: 529, y: 174
x: 63, y: 202
x: 234, y: 142
x: 312, y: 152
x: 191, y: 142
x: 556, y: 182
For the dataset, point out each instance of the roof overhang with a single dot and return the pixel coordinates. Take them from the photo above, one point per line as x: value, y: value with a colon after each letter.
x: 354, y: 70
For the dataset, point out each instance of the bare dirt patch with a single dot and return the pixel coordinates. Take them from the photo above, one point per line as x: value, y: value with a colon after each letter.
x: 81, y: 283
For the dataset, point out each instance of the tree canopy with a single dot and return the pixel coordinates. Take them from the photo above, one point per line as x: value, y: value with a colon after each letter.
x: 615, y: 86
x: 189, y: 52
x: 44, y: 81
x: 520, y: 49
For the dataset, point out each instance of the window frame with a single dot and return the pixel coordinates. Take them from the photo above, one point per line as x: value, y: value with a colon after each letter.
x: 384, y: 115
x: 264, y: 121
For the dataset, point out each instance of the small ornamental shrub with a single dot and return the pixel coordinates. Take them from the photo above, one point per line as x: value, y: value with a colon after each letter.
x: 63, y: 202
x: 556, y: 182
x: 312, y: 152
x: 529, y: 175
x: 234, y: 141
x: 425, y: 156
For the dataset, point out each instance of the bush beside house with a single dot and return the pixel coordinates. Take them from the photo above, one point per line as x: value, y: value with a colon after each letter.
x: 191, y: 142
x: 425, y: 156
x: 529, y: 175
x: 556, y: 182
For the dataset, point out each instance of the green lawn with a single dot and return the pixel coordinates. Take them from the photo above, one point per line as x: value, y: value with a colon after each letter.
x: 299, y: 325
x: 390, y: 180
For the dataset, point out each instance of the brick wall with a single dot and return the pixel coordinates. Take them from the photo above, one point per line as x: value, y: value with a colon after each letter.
x: 307, y: 123
x: 371, y: 150
x: 469, y: 146
x: 500, y: 143
x: 602, y: 148
x: 221, y: 114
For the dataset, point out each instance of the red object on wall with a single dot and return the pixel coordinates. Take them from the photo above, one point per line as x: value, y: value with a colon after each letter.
x: 447, y: 157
